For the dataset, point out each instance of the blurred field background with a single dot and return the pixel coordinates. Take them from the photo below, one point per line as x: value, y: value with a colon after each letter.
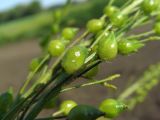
x: 22, y: 28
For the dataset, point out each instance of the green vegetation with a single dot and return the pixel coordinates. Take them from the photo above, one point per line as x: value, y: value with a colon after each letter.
x: 25, y: 27
x: 34, y: 25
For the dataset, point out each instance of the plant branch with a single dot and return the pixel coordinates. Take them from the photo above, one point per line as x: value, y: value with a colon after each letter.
x: 94, y: 82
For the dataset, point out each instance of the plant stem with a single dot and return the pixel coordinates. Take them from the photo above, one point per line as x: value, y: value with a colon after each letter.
x: 95, y: 82
x: 151, y: 39
x: 132, y: 6
x: 145, y: 34
x: 31, y: 75
x: 55, y: 90
x: 129, y: 91
x: 111, y: 2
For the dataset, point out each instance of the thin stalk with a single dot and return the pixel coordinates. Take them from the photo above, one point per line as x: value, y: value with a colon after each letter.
x: 95, y: 82
x: 36, y: 95
x: 145, y: 34
x: 129, y: 91
x: 54, y: 91
x: 153, y: 38
x: 111, y: 2
x: 132, y: 6
x: 31, y: 75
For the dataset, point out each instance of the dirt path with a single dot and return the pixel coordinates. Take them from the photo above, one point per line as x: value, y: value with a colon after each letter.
x: 14, y: 61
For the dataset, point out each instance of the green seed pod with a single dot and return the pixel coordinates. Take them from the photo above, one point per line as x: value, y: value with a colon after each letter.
x: 112, y: 108
x: 67, y: 106
x: 126, y: 47
x: 34, y: 64
x: 118, y: 19
x: 84, y: 112
x: 157, y: 28
x: 107, y: 47
x: 150, y: 6
x: 95, y: 25
x: 69, y: 33
x: 55, y: 28
x: 110, y: 10
x: 56, y: 48
x: 158, y: 18
x: 74, y: 59
x: 92, y: 72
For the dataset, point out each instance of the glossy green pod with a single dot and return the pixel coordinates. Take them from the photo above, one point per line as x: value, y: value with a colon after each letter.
x: 118, y: 19
x: 157, y: 28
x: 67, y: 106
x: 110, y: 10
x: 150, y: 6
x: 95, y: 25
x: 74, y: 59
x: 126, y: 47
x: 56, y: 48
x: 112, y: 108
x: 107, y: 47
x: 84, y: 112
x: 34, y: 64
x: 69, y: 33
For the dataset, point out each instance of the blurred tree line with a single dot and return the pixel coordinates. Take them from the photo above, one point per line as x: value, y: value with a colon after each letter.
x: 20, y: 11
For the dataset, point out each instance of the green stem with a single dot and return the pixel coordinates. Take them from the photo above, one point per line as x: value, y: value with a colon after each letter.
x: 129, y: 91
x: 95, y: 82
x: 55, y: 90
x: 153, y: 38
x: 57, y: 113
x: 31, y: 75
x: 132, y: 6
x: 111, y: 2
x: 145, y: 34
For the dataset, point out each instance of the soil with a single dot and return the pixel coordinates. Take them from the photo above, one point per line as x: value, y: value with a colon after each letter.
x: 14, y: 61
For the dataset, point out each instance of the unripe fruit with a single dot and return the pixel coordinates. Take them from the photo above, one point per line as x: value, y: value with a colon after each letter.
x: 74, y: 59
x: 69, y: 33
x: 126, y: 47
x: 118, y: 19
x: 150, y: 6
x: 157, y: 28
x: 67, y: 106
x: 110, y: 10
x: 107, y: 47
x: 84, y: 112
x: 95, y: 25
x: 56, y: 48
x: 112, y: 108
x: 34, y: 64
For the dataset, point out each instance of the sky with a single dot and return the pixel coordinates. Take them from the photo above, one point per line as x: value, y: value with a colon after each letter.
x: 7, y: 4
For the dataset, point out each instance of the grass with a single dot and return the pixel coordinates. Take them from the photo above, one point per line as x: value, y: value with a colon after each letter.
x: 28, y: 26
x: 39, y: 24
